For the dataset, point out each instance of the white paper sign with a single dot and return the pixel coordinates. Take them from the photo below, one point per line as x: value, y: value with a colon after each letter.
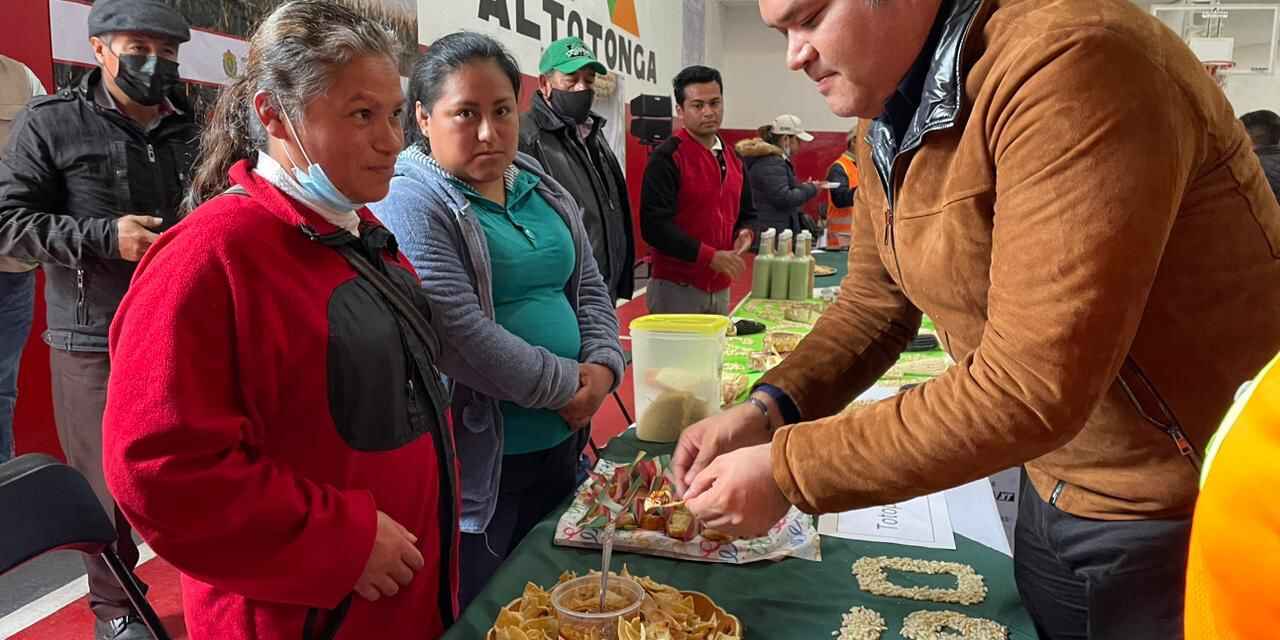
x: 921, y: 522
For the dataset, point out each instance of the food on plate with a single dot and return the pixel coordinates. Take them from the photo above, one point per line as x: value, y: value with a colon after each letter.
x: 822, y: 270
x: 782, y: 342
x: 659, y: 498
x: 664, y: 613
x: 529, y: 618
x: 731, y: 388
x: 647, y: 499
x: 681, y: 524
x: 764, y: 361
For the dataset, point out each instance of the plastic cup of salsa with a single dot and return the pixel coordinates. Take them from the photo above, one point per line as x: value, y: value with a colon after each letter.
x: 578, y: 621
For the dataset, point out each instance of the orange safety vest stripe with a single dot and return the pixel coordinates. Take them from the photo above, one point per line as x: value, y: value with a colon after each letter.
x: 851, y: 170
x: 840, y: 219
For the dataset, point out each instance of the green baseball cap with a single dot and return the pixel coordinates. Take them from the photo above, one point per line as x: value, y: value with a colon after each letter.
x: 568, y: 55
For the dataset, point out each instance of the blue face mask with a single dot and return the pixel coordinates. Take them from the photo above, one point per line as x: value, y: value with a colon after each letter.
x: 315, y: 182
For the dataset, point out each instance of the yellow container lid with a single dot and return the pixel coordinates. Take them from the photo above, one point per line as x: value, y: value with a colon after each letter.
x: 696, y: 324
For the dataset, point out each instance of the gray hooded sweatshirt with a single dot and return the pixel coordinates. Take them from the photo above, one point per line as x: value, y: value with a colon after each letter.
x: 437, y: 230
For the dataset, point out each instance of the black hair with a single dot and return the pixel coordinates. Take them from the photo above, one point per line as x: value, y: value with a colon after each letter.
x: 443, y: 58
x: 697, y: 74
x: 1263, y: 126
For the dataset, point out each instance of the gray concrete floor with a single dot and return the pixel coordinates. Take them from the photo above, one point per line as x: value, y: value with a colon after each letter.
x: 37, y: 578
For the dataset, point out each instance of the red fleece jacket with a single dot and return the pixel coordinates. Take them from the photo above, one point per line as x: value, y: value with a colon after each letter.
x: 219, y: 444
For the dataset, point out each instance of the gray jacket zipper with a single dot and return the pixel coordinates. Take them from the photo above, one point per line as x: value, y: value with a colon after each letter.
x: 82, y: 313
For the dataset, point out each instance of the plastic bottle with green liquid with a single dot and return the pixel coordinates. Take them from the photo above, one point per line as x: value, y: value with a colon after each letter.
x: 779, y: 273
x: 798, y: 271
x: 764, y: 263
x: 813, y: 262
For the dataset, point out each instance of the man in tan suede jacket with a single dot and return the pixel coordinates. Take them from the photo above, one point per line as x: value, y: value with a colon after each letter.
x: 1060, y: 186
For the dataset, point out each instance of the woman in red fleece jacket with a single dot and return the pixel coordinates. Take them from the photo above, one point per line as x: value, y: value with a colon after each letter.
x: 274, y: 423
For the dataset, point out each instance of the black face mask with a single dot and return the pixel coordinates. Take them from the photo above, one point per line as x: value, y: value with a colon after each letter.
x: 146, y: 79
x: 576, y: 105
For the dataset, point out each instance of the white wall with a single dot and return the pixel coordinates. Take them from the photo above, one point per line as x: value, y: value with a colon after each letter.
x: 714, y: 21
x: 758, y: 85
x: 1252, y: 92
x: 526, y: 27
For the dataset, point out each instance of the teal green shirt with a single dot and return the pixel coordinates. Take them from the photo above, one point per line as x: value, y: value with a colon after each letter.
x: 532, y: 257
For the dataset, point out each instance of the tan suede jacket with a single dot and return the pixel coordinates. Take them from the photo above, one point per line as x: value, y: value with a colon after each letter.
x: 1090, y: 202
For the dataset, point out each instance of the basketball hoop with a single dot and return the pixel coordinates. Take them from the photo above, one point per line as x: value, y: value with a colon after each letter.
x: 1217, y: 70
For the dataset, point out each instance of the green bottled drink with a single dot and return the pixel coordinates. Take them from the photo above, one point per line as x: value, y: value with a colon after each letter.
x: 779, y: 270
x: 763, y: 265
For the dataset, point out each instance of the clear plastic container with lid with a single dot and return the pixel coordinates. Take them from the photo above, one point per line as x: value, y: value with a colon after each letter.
x: 677, y: 361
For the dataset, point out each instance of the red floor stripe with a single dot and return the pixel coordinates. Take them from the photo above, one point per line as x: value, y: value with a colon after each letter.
x: 75, y: 621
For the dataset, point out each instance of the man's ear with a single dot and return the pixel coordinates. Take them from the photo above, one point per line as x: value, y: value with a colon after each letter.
x: 100, y: 49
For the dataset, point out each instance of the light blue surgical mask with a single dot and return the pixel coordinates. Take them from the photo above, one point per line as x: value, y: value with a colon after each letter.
x: 315, y: 182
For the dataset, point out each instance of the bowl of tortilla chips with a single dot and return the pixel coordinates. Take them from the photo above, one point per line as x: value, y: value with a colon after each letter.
x: 664, y: 614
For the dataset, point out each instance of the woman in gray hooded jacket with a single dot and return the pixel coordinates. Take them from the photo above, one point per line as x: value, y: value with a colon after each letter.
x: 529, y: 334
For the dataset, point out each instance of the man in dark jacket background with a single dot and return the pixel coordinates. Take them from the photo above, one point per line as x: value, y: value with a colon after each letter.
x: 566, y: 137
x: 90, y: 177
x: 1264, y: 129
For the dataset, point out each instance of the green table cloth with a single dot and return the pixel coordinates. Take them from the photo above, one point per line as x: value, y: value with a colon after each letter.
x: 790, y: 599
x: 912, y: 367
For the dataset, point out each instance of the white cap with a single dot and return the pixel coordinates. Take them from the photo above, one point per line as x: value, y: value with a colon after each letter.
x: 789, y: 125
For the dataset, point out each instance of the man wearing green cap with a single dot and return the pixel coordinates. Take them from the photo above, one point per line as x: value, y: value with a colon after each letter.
x: 562, y: 132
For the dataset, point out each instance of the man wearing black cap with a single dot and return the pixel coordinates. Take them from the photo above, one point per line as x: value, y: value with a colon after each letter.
x: 90, y: 177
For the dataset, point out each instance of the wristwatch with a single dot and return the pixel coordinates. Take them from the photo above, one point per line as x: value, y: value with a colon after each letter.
x: 764, y: 409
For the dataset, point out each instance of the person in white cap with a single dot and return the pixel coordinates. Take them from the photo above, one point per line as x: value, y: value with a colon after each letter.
x: 777, y: 195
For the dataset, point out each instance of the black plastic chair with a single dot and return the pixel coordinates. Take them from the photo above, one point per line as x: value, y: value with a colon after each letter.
x: 50, y: 506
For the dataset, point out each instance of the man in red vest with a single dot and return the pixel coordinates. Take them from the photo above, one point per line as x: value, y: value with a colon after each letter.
x: 693, y: 202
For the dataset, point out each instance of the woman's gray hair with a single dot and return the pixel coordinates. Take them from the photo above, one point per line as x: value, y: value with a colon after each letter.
x: 292, y: 57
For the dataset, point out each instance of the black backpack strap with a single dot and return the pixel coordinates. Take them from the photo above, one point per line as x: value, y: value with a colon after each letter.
x: 405, y: 308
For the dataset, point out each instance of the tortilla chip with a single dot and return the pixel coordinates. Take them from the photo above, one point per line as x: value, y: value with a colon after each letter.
x: 548, y: 626
x: 508, y: 618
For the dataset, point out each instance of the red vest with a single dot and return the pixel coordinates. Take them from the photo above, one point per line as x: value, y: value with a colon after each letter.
x: 706, y: 209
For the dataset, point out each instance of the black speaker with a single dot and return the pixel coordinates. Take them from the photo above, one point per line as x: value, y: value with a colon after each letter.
x: 651, y: 130
x: 650, y: 106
